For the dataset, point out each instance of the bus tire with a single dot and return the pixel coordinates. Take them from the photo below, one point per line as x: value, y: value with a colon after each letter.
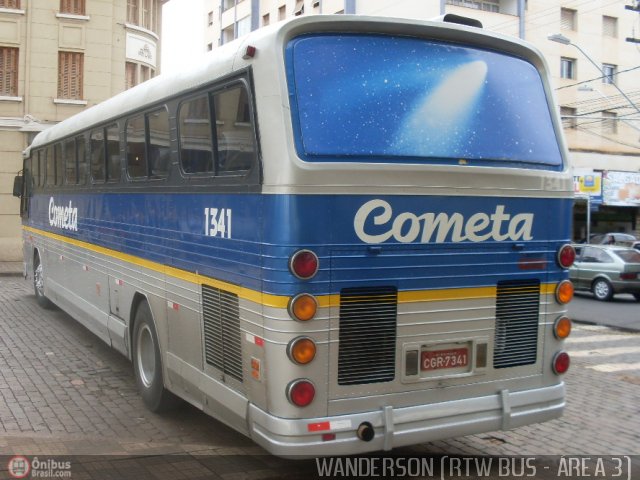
x: 38, y: 283
x: 147, y: 363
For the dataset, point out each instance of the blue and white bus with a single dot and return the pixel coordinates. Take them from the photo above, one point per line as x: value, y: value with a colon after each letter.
x: 338, y: 234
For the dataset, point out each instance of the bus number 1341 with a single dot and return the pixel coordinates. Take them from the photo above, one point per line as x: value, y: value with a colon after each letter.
x: 217, y: 222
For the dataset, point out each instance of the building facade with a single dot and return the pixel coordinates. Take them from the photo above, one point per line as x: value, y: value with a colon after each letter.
x: 58, y: 57
x: 593, y: 56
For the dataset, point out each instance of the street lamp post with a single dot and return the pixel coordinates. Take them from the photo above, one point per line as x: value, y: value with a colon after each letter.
x: 559, y: 38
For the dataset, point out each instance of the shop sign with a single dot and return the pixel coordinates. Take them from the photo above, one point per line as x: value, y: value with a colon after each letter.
x: 587, y: 183
x: 141, y: 49
x: 621, y: 188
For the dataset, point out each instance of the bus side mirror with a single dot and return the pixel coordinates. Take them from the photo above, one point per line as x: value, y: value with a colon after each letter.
x: 18, y: 183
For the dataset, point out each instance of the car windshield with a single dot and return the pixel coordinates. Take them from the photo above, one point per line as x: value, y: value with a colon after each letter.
x: 628, y: 256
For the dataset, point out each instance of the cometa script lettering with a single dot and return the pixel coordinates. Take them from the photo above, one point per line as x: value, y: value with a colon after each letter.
x: 431, y: 227
x: 63, y: 216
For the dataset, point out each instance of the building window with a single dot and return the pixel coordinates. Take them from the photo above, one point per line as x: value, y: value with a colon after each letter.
x: 265, y: 20
x: 70, y: 75
x: 609, y: 122
x: 486, y: 5
x: 282, y: 12
x: 228, y: 34
x: 74, y: 7
x: 228, y: 4
x: 143, y: 13
x: 130, y: 75
x: 209, y: 47
x: 568, y: 115
x: 243, y: 27
x: 132, y: 11
x: 210, y: 18
x: 609, y: 26
x: 135, y: 74
x: 609, y: 73
x: 299, y: 9
x: 568, y: 19
x: 9, y: 71
x: 567, y: 67
x: 13, y: 4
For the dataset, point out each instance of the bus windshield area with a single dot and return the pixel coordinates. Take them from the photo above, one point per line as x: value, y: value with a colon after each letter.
x: 409, y: 100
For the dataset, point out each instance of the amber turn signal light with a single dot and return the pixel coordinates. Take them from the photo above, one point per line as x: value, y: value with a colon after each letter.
x: 562, y: 328
x: 564, y: 292
x: 303, y: 307
x: 301, y: 350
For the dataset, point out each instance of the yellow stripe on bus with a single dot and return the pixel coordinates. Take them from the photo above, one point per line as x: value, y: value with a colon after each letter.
x: 277, y: 301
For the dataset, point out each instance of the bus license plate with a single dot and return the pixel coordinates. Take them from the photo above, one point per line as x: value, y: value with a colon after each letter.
x: 439, y: 359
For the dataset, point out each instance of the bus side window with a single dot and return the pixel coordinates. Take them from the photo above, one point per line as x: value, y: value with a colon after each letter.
x: 59, y: 163
x: 159, y: 145
x: 70, y: 162
x: 36, y: 168
x: 135, y: 142
x: 196, y: 143
x: 234, y: 131
x: 97, y: 156
x: 51, y: 167
x: 82, y: 159
x: 113, y: 153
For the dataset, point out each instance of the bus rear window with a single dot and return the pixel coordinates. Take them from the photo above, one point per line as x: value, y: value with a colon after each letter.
x: 401, y: 99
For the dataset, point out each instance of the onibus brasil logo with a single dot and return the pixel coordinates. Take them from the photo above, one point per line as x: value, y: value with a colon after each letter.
x: 20, y: 467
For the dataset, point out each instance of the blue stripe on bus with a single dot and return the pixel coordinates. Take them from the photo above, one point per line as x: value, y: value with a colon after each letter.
x: 267, y: 229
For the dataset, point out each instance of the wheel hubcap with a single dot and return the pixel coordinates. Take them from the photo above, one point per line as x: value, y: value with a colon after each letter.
x: 38, y: 279
x: 146, y: 356
x: 602, y: 289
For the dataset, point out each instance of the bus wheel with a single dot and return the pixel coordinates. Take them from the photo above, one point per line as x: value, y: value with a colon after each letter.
x: 602, y: 289
x: 147, y: 363
x: 38, y: 283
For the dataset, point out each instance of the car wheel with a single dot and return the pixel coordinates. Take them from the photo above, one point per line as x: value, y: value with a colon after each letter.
x: 38, y: 283
x: 602, y: 289
x: 147, y: 363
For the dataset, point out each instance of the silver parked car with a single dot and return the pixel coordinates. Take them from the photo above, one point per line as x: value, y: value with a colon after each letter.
x: 606, y: 270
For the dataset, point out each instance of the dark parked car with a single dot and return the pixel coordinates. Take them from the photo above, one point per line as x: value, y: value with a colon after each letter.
x: 606, y: 270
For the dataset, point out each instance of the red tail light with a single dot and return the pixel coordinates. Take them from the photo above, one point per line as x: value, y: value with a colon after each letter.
x: 301, y: 392
x: 561, y: 363
x: 304, y: 264
x: 566, y: 256
x: 629, y: 276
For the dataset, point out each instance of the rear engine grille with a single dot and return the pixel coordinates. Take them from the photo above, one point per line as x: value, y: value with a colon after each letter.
x: 222, y: 345
x: 517, y: 312
x: 367, y: 349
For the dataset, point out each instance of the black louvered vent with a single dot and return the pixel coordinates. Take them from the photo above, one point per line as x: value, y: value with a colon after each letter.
x: 517, y: 312
x: 221, y: 314
x: 367, y: 350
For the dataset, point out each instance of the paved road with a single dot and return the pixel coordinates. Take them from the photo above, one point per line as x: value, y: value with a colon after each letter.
x: 622, y: 312
x: 63, y: 392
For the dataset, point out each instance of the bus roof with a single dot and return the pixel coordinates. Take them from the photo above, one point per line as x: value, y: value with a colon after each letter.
x: 229, y: 58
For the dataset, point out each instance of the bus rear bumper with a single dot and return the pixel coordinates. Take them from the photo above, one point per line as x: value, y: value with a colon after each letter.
x: 396, y: 427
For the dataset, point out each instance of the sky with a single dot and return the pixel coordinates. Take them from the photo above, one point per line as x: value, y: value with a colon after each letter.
x: 182, y: 33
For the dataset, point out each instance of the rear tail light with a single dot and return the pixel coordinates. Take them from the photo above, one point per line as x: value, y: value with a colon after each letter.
x: 564, y: 292
x: 562, y: 328
x: 304, y: 264
x: 301, y: 392
x: 301, y: 350
x: 560, y: 363
x: 629, y: 276
x: 566, y: 256
x: 303, y: 307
